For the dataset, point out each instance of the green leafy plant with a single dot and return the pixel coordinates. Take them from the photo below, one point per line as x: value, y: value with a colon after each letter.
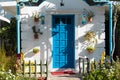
x: 7, y: 75
x: 90, y: 15
x: 35, y: 32
x: 25, y: 78
x: 8, y: 36
x: 36, y: 16
x: 89, y: 35
x: 105, y: 71
x: 10, y: 76
x: 2, y: 57
x: 34, y: 29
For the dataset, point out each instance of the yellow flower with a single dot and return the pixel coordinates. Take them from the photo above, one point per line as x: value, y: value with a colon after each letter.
x: 103, y: 57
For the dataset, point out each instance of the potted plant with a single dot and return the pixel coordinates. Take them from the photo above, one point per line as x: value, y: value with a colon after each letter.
x: 34, y: 29
x: 90, y: 15
x: 89, y: 35
x: 91, y: 40
x: 90, y: 49
x: 35, y: 50
x: 36, y: 16
x: 42, y: 78
x: 36, y: 36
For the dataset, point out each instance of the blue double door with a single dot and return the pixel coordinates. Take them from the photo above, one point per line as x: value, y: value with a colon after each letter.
x: 63, y: 33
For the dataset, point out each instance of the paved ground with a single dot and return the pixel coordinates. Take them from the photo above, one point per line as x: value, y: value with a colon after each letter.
x: 63, y: 77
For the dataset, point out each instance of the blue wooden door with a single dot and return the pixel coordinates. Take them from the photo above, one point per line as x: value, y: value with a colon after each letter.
x: 63, y: 41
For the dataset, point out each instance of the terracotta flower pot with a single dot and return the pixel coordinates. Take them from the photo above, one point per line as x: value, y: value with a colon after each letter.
x: 90, y: 51
x: 36, y: 36
x: 90, y: 19
x: 36, y: 19
x: 42, y: 78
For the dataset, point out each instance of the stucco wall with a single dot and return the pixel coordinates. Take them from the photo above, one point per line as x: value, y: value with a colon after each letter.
x: 44, y: 43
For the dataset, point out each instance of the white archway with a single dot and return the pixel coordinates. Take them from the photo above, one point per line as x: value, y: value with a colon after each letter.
x: 4, y: 19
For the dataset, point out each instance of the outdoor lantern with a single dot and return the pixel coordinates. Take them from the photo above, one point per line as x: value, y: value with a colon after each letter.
x: 42, y: 18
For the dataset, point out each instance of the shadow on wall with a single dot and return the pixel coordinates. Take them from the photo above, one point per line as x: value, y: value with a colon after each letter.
x: 98, y: 28
x: 43, y: 42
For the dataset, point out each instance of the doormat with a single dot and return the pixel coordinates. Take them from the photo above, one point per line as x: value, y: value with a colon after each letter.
x: 62, y: 72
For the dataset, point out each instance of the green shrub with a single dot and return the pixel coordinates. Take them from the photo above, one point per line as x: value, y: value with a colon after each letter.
x: 110, y: 72
x: 10, y: 76
x: 2, y: 57
x: 6, y: 75
x: 6, y: 62
x: 10, y: 62
x: 25, y: 78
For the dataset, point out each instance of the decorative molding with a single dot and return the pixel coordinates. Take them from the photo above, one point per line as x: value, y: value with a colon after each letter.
x: 63, y: 12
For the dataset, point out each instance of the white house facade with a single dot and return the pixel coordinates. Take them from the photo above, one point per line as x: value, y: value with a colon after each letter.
x: 59, y: 35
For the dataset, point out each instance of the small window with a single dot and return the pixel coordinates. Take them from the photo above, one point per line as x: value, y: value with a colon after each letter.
x: 57, y: 20
x: 63, y: 20
x: 69, y: 21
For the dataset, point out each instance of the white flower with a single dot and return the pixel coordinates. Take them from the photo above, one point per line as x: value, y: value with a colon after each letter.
x: 9, y: 70
x: 6, y: 78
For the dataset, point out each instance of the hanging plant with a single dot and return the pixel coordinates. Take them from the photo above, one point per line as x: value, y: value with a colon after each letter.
x: 34, y: 29
x: 90, y: 15
x: 89, y: 35
x: 36, y: 16
x: 36, y: 36
x: 35, y: 50
x: 90, y: 49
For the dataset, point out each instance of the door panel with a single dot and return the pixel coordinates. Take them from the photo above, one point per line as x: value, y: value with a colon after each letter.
x: 63, y: 41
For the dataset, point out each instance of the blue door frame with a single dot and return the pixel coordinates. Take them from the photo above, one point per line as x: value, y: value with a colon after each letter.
x: 63, y: 49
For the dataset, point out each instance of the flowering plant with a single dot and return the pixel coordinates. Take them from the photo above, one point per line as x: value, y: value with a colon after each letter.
x: 36, y: 16
x: 89, y: 35
x: 7, y: 75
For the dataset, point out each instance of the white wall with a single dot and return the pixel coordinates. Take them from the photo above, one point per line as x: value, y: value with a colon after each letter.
x: 44, y: 42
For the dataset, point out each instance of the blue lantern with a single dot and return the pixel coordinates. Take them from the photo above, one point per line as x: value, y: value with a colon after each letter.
x: 42, y: 18
x: 84, y: 21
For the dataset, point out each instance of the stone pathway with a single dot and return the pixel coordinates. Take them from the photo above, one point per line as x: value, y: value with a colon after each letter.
x: 63, y: 77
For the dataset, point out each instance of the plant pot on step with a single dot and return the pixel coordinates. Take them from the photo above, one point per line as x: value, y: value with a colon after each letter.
x: 42, y: 78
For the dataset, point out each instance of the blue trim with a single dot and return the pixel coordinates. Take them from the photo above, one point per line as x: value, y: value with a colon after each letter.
x: 18, y: 27
x: 74, y: 42
x: 110, y: 30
